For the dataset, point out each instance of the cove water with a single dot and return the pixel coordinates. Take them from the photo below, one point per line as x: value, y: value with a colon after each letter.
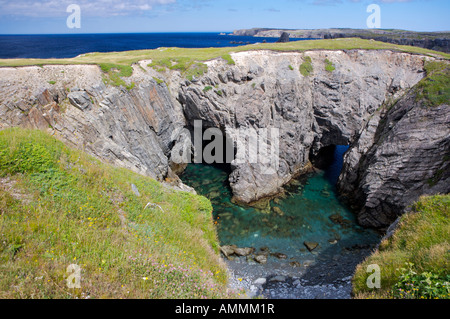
x: 306, y: 208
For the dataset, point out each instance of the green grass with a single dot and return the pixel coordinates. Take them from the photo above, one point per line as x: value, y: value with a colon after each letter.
x: 229, y: 59
x: 69, y: 208
x: 291, y: 67
x: 114, y: 74
x: 434, y: 89
x: 329, y: 67
x: 51, y: 82
x: 207, y: 88
x: 159, y: 81
x: 187, y: 66
x: 423, y: 239
x: 306, y: 67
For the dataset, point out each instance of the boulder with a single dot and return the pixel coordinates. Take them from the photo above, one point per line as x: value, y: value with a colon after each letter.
x: 261, y: 259
x: 79, y: 99
x: 243, y: 251
x: 227, y: 250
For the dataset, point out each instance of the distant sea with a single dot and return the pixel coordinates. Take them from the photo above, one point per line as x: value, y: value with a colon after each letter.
x: 70, y: 45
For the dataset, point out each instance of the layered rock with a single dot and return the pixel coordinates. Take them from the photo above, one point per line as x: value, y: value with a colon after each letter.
x: 392, y: 164
x: 266, y: 90
x: 263, y: 90
x: 131, y: 129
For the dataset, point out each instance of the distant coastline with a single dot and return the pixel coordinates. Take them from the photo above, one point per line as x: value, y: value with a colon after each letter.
x: 439, y: 41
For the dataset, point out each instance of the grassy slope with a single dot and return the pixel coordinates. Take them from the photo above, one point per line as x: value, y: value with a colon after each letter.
x: 67, y: 207
x: 423, y: 238
x: 130, y: 57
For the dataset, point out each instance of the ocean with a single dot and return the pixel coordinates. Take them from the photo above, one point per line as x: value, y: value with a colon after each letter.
x: 72, y: 45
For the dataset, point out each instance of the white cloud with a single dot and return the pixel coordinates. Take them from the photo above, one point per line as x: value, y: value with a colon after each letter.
x: 99, y: 8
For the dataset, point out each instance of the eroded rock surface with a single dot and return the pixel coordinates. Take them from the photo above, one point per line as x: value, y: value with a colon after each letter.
x: 393, y: 157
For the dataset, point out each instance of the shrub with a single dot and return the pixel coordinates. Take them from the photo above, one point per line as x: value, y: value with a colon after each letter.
x: 207, y: 88
x: 426, y: 285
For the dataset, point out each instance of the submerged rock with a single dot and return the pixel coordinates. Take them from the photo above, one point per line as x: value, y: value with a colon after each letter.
x: 280, y: 255
x: 311, y: 245
x: 278, y: 211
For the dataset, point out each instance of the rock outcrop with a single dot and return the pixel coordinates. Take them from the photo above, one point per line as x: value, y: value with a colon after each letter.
x: 262, y: 90
x: 266, y: 90
x: 391, y: 165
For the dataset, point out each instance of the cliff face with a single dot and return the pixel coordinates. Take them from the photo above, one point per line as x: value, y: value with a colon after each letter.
x: 267, y: 90
x: 390, y: 166
x: 338, y: 102
x: 127, y: 128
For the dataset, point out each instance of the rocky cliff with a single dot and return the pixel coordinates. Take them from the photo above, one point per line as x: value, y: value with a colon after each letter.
x: 392, y: 164
x: 338, y: 101
x: 439, y: 41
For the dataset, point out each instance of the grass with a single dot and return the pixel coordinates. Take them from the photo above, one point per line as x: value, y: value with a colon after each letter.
x: 329, y: 66
x: 51, y: 82
x: 422, y: 240
x: 306, y: 67
x: 291, y: 67
x: 434, y: 89
x: 207, y: 88
x: 229, y: 59
x: 69, y: 208
x: 114, y: 74
x: 158, y: 81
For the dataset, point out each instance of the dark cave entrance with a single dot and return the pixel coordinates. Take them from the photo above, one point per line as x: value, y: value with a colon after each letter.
x: 216, y: 147
x: 330, y: 159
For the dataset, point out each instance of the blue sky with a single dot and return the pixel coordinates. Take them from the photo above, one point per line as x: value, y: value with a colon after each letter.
x: 104, y: 16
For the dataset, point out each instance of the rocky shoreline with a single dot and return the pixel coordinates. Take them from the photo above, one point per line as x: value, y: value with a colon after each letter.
x: 320, y: 277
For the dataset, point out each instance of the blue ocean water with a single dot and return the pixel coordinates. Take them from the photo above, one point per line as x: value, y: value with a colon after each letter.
x: 308, y: 209
x: 71, y: 45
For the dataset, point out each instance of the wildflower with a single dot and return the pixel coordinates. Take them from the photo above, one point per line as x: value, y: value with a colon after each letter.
x: 144, y: 278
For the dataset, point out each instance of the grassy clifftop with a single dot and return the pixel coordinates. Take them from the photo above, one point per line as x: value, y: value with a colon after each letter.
x: 129, y: 57
x: 414, y: 262
x: 59, y: 206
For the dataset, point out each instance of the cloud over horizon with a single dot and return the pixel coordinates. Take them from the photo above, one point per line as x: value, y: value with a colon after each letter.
x: 100, y: 8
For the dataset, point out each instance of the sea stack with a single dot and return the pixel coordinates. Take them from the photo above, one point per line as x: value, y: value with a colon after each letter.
x: 284, y: 38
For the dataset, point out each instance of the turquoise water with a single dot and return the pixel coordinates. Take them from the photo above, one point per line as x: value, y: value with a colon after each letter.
x: 306, y: 208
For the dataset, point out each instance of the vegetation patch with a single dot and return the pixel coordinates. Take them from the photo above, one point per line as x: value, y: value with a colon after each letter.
x: 414, y: 261
x: 229, y: 59
x: 51, y: 82
x: 434, y: 89
x: 115, y: 72
x: 291, y: 68
x: 187, y: 66
x: 207, y: 88
x: 306, y: 67
x: 158, y: 81
x: 81, y: 211
x: 329, y: 67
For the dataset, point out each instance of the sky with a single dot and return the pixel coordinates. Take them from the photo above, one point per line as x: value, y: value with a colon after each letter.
x: 116, y: 16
